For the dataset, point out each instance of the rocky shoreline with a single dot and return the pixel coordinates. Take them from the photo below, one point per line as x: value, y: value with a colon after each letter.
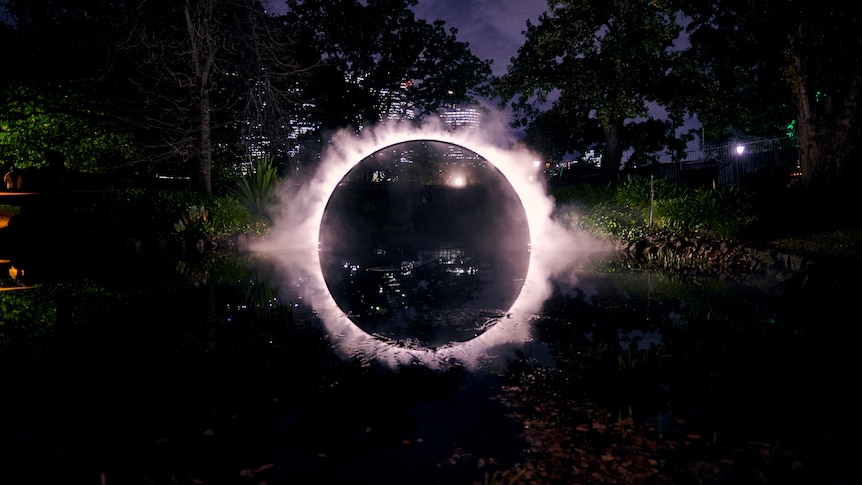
x: 729, y: 259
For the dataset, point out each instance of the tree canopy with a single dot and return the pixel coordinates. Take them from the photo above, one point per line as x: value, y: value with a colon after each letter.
x: 591, y: 64
x: 769, y: 64
x: 366, y: 51
x: 745, y: 69
x: 183, y: 85
x: 203, y: 86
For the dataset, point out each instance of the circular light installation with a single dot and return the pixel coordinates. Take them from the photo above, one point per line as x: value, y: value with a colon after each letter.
x: 424, y: 243
x: 294, y: 246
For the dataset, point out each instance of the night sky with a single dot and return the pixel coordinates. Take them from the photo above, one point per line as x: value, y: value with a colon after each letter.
x: 493, y: 28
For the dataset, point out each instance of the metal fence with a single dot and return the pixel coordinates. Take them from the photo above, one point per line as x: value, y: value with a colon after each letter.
x: 762, y: 164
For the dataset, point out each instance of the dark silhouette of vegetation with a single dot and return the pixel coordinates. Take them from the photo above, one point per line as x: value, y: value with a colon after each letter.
x: 761, y: 68
x: 590, y: 66
x: 743, y: 69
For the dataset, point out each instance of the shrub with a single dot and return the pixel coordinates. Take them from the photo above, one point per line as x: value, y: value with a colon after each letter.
x: 158, y: 213
x: 639, y: 207
x: 258, y: 189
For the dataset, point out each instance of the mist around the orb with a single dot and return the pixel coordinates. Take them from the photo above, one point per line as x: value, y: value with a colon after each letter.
x: 294, y: 246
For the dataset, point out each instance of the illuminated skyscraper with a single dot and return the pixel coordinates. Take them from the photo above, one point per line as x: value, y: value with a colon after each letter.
x: 395, y: 106
x: 462, y: 118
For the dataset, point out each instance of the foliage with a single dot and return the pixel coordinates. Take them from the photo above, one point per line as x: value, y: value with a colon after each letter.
x: 258, y: 190
x: 176, y: 83
x: 641, y: 207
x: 192, y: 81
x: 204, y: 70
x: 724, y: 212
x: 159, y: 213
x: 39, y: 119
x: 25, y: 317
x: 593, y: 60
x: 733, y: 82
x: 639, y: 192
x: 32, y: 317
x: 745, y: 70
x: 759, y: 66
x: 184, y: 77
x: 366, y: 52
x: 586, y: 194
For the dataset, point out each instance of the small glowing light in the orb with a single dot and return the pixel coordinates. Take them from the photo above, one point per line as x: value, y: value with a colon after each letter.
x: 552, y: 248
x: 458, y: 181
x: 740, y: 149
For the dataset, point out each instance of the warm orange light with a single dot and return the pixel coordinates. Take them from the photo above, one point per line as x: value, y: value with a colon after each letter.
x: 13, y: 272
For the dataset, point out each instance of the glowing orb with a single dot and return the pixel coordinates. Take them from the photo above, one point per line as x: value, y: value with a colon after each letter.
x: 424, y: 243
x: 295, y: 247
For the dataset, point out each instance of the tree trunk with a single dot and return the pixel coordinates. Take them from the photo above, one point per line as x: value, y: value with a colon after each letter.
x: 807, y: 130
x: 612, y: 158
x: 828, y: 136
x: 201, y: 170
x: 202, y: 50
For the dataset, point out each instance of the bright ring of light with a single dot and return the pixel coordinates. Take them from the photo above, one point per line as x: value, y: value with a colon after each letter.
x: 294, y: 245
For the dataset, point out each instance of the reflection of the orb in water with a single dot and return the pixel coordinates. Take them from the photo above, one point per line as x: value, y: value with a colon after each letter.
x: 424, y: 243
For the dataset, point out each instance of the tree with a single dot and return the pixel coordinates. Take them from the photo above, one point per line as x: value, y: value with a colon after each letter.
x: 42, y: 118
x: 58, y: 40
x: 777, y: 60
x: 186, y: 79
x: 556, y: 132
x: 604, y: 61
x: 207, y: 71
x: 723, y: 77
x: 364, y: 52
x: 53, y: 106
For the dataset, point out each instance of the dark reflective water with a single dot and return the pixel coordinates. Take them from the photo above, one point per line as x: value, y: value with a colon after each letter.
x: 158, y: 375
